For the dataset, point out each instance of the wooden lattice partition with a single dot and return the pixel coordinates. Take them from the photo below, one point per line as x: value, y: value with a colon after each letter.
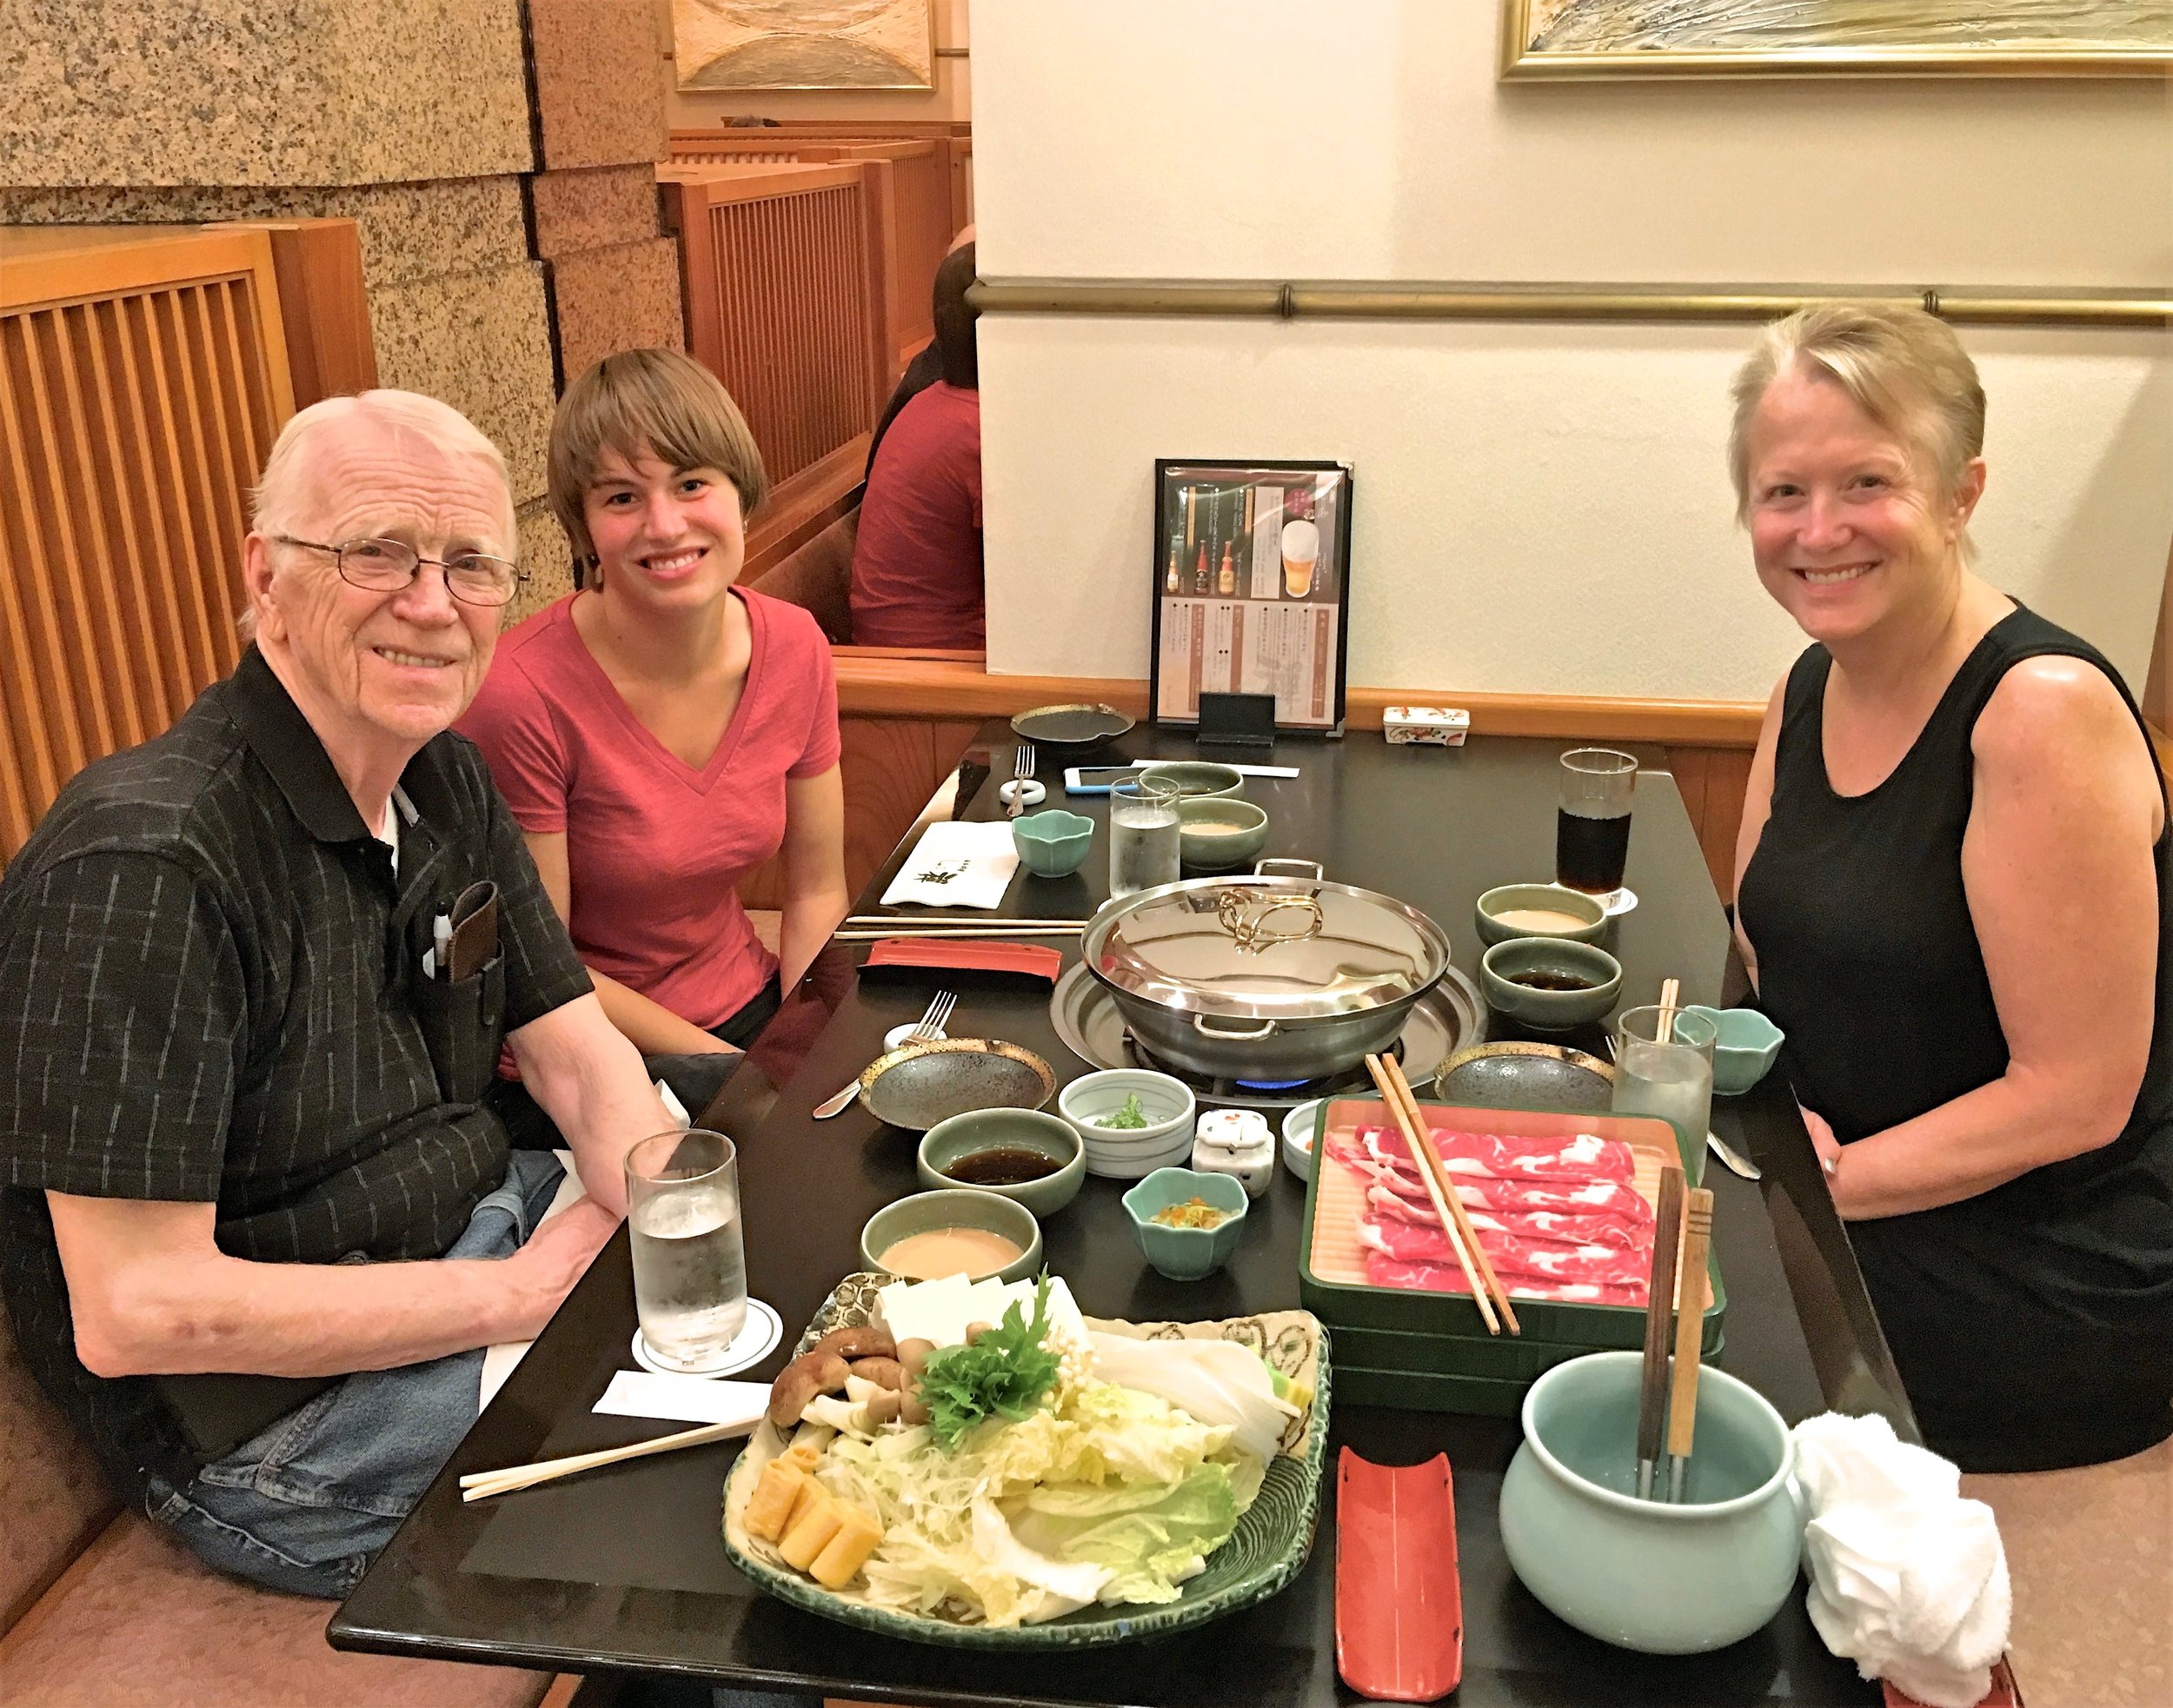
x: 143, y: 373
x: 787, y: 302
x: 923, y: 189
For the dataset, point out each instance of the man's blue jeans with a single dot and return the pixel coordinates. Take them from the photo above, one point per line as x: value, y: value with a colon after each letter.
x: 306, y: 1504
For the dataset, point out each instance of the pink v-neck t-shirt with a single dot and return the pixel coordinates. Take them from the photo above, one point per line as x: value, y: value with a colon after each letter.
x: 655, y: 845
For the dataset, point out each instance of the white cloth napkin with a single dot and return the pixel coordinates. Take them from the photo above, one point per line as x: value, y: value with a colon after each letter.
x: 957, y: 866
x: 1908, y: 1579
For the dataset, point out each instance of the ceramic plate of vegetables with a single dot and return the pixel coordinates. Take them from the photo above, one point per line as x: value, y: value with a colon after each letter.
x: 978, y: 1463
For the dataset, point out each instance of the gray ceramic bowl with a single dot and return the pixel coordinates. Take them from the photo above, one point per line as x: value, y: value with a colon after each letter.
x: 1536, y: 897
x: 1550, y: 1010
x: 1668, y: 1579
x: 959, y: 1207
x: 1747, y: 1045
x: 1053, y: 844
x: 1218, y: 850
x: 1186, y: 1253
x: 948, y: 1142
x: 1197, y: 777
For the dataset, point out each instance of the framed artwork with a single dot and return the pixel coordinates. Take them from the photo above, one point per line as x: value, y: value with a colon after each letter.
x: 1252, y: 589
x: 1768, y: 39
x: 804, y: 44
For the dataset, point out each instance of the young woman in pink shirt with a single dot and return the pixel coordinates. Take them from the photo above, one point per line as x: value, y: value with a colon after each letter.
x: 661, y: 732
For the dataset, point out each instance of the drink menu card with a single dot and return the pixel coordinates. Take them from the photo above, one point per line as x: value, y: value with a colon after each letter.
x: 1252, y: 587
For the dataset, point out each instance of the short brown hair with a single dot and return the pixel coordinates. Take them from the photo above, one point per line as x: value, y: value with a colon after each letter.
x: 652, y: 401
x: 1902, y: 367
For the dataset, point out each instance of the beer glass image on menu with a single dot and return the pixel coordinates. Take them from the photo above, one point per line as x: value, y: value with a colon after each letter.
x: 1301, y: 551
x: 1592, y: 829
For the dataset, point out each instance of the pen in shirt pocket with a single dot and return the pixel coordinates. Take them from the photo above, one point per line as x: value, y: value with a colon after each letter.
x: 441, y: 943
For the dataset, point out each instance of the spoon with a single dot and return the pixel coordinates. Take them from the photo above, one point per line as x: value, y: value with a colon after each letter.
x: 1737, y: 1163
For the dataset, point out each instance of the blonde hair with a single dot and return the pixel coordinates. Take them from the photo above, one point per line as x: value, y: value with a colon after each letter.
x: 1902, y: 367
x: 656, y: 402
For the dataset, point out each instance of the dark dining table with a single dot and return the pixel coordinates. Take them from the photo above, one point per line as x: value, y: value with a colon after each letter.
x: 623, y: 1570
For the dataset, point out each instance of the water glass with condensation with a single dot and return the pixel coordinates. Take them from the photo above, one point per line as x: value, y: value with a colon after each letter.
x: 1143, y: 837
x: 689, y: 1262
x: 1664, y: 1067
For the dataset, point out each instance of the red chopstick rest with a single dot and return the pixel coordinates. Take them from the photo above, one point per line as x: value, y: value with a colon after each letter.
x: 1398, y: 1601
x: 988, y: 955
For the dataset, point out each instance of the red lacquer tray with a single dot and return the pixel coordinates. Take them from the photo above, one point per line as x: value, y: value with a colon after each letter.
x: 1398, y: 1603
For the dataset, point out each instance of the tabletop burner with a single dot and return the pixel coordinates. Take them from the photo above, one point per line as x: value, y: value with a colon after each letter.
x: 1449, y: 1017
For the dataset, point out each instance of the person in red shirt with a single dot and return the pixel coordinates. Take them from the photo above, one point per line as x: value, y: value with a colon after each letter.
x: 917, y: 562
x: 661, y: 732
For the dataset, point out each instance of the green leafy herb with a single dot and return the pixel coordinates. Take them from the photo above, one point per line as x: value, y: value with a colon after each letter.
x: 1131, y: 1115
x: 1003, y: 1374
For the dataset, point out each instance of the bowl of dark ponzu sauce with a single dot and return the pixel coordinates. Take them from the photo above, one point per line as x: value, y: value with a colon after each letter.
x: 1032, y: 1159
x: 1549, y: 983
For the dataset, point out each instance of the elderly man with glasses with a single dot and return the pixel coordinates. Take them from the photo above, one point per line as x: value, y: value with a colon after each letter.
x: 255, y: 976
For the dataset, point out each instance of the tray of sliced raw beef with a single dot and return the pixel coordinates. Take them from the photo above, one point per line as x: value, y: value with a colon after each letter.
x: 1562, y: 1203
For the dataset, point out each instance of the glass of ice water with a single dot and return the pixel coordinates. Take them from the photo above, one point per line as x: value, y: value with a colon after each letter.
x: 1142, y: 837
x: 682, y: 1190
x: 1664, y: 1067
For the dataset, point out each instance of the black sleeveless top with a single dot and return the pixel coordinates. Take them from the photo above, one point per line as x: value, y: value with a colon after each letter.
x: 2033, y: 1324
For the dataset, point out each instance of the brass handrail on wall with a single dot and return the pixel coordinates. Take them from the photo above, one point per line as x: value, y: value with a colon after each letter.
x: 1385, y: 300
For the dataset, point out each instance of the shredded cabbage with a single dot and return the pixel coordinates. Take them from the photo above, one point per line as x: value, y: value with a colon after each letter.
x: 1111, y: 1494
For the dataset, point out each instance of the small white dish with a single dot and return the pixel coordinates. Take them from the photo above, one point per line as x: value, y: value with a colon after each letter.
x: 1618, y: 901
x: 1301, y: 1127
x: 756, y: 1341
x: 1165, y: 1102
x: 899, y: 1036
x: 1023, y: 789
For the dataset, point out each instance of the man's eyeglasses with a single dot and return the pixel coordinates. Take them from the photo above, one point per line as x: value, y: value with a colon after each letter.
x: 383, y: 566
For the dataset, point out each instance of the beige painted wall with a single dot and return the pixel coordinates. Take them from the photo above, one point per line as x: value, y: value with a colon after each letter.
x: 1507, y: 470
x: 952, y: 98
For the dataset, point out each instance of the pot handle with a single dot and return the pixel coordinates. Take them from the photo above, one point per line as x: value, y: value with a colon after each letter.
x: 1200, y: 1025
x: 1312, y: 868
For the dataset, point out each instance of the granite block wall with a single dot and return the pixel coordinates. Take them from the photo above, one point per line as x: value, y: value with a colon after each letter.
x: 600, y: 70
x: 308, y: 92
x: 491, y: 273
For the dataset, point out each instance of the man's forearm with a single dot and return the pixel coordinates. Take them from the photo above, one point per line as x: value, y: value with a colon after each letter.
x: 589, y: 1080
x: 222, y: 1313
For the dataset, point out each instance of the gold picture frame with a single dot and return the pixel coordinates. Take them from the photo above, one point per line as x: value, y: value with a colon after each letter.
x: 754, y: 45
x: 1908, y: 38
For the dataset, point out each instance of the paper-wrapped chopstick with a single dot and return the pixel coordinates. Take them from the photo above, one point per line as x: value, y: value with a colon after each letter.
x: 481, y: 1484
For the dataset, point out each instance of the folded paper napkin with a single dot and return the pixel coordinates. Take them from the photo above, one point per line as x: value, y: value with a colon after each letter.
x: 957, y: 866
x: 1907, y: 1579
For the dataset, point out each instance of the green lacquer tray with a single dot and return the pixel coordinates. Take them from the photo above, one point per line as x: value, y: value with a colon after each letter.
x: 1267, y: 1549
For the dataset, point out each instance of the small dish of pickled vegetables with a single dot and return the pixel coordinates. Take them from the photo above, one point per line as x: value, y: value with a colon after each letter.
x: 977, y: 1463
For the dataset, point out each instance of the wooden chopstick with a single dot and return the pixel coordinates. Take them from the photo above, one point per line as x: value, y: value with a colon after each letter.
x: 1431, y: 1159
x: 1414, y: 1137
x: 481, y: 1484
x: 938, y: 920
x: 1689, y: 1328
x: 857, y: 935
x: 1660, y: 1301
x: 1671, y: 999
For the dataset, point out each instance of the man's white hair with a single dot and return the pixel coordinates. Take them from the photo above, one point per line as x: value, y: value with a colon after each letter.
x: 283, y: 494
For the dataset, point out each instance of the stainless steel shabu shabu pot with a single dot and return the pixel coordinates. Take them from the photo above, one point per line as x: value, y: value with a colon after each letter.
x: 1268, y: 977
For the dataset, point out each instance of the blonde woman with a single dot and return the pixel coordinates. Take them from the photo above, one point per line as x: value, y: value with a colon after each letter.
x: 1953, y: 882
x: 662, y: 731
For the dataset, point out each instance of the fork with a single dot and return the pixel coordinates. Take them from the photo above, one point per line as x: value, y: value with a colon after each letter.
x: 1021, y: 775
x: 928, y: 1029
